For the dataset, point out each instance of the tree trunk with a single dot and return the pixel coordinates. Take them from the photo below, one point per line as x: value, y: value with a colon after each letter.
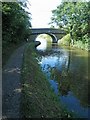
x: 71, y: 36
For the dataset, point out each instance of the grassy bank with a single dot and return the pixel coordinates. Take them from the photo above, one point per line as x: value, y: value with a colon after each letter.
x: 38, y: 98
x: 65, y: 41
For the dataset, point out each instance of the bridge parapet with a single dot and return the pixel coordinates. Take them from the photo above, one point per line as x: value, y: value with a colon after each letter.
x: 47, y: 30
x: 54, y: 33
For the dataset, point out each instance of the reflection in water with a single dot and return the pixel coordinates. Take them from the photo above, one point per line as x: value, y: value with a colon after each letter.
x: 43, y: 44
x: 67, y: 72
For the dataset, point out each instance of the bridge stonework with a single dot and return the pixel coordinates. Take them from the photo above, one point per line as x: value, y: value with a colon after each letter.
x: 55, y: 34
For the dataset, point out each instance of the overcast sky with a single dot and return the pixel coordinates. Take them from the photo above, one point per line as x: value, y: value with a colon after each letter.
x: 41, y: 12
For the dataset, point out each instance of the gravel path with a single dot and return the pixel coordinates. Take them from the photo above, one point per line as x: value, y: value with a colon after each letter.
x: 11, y: 85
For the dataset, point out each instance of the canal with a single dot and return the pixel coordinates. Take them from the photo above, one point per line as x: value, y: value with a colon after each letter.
x: 67, y: 71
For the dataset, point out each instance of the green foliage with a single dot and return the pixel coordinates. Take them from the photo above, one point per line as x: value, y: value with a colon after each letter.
x: 15, y: 22
x: 15, y: 26
x: 74, y: 18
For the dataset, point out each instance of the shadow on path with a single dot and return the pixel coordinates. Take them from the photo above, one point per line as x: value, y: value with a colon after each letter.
x: 11, y: 86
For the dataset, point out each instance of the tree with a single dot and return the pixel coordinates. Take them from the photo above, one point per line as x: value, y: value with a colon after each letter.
x: 15, y: 27
x: 15, y: 22
x: 74, y: 18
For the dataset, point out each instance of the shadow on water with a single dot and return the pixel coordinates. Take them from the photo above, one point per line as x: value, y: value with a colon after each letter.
x: 67, y: 72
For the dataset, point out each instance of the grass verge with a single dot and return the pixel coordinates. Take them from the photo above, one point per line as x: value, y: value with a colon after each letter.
x: 65, y: 40
x: 38, y: 98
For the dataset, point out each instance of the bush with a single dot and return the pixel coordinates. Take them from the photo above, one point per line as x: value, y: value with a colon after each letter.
x: 81, y: 45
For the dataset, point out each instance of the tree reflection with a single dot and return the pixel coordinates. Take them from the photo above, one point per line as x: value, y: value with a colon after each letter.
x: 70, y: 72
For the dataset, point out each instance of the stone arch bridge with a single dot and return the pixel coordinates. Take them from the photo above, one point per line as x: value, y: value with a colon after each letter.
x: 55, y: 34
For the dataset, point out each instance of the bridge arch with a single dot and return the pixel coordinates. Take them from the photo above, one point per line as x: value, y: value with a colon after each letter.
x: 54, y: 38
x: 45, y: 36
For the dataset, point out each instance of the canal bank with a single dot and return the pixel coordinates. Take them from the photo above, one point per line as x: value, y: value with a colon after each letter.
x: 77, y: 44
x: 38, y: 98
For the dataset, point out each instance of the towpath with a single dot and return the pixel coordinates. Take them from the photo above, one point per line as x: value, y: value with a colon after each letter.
x: 11, y: 85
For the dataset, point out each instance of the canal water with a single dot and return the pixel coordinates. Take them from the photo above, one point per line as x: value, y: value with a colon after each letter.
x: 67, y: 71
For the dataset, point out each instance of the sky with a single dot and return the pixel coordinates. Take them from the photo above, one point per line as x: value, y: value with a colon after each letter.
x: 41, y: 12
